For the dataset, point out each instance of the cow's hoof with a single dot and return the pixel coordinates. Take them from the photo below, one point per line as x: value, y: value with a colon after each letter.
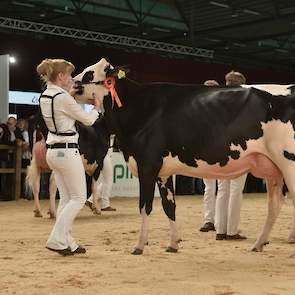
x: 266, y: 243
x: 89, y: 205
x: 179, y: 240
x: 96, y: 211
x: 37, y: 213
x: 51, y: 214
x: 256, y: 249
x: 137, y: 251
x: 171, y: 250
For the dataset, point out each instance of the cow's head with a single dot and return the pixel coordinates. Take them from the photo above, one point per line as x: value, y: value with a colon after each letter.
x: 89, y: 83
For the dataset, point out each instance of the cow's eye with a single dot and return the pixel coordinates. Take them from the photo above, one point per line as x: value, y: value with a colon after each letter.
x: 107, y: 68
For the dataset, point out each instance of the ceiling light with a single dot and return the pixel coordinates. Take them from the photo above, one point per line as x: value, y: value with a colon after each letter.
x: 129, y: 23
x: 12, y: 59
x: 251, y: 12
x: 162, y: 30
x: 213, y: 40
x: 282, y: 50
x: 23, y: 4
x: 239, y: 44
x: 64, y: 11
x: 219, y: 4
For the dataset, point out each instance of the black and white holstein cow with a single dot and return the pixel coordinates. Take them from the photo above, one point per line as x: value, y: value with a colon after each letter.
x: 198, y: 131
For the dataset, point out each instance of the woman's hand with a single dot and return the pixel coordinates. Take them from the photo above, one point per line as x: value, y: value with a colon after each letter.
x: 97, y: 104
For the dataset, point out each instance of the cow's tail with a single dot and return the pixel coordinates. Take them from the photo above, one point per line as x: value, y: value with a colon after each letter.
x: 33, y: 175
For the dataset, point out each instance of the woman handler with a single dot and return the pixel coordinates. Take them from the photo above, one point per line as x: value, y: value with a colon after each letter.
x: 60, y: 111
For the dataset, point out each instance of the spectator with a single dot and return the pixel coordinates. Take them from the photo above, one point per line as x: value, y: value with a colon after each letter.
x: 230, y: 192
x: 15, y: 132
x: 22, y: 124
x: 210, y: 190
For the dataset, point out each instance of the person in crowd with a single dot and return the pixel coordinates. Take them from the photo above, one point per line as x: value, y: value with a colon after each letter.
x: 230, y: 192
x: 60, y: 111
x: 210, y: 191
x: 15, y: 133
x: 22, y: 124
x: 105, y: 182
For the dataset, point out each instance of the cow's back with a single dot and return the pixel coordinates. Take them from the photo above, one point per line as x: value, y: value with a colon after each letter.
x: 194, y: 122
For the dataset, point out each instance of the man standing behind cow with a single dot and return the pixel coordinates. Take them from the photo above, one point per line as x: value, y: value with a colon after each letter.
x: 210, y: 190
x: 230, y: 192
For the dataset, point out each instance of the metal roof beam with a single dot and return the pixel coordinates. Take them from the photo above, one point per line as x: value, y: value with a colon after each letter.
x: 42, y: 28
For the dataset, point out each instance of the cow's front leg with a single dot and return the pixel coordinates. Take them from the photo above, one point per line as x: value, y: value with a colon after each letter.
x: 168, y: 203
x: 275, y: 201
x: 147, y: 174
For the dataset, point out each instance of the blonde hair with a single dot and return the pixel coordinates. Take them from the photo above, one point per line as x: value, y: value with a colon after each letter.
x: 211, y: 83
x: 235, y: 79
x: 48, y: 69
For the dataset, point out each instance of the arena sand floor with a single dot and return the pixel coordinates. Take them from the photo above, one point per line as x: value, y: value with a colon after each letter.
x: 202, y: 266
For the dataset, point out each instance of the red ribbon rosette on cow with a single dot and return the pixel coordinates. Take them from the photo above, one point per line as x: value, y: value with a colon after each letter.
x: 109, y: 83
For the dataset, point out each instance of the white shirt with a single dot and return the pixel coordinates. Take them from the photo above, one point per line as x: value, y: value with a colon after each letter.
x: 66, y: 112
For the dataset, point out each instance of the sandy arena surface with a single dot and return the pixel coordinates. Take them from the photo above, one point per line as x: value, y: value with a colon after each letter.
x: 202, y: 266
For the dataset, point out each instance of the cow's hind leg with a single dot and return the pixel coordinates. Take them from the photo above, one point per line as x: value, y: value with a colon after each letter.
x: 275, y: 201
x: 291, y: 238
x: 168, y: 202
x: 96, y: 187
x: 147, y: 175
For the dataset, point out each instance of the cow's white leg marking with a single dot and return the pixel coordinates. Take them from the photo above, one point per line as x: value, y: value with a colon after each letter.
x: 174, y: 236
x: 275, y: 201
x: 143, y: 235
x: 289, y: 179
x: 291, y: 238
x: 95, y: 205
x: 289, y: 175
x: 168, y: 203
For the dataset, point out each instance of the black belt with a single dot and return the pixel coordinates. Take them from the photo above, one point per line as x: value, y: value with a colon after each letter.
x: 62, y: 146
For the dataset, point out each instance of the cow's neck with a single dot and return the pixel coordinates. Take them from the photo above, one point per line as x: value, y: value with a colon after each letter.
x: 118, y: 119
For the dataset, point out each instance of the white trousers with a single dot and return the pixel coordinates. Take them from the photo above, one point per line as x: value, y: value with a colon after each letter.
x: 105, y: 182
x: 228, y: 205
x: 209, y: 199
x: 70, y: 179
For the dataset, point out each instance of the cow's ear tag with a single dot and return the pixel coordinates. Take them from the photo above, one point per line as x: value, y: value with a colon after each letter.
x: 121, y: 74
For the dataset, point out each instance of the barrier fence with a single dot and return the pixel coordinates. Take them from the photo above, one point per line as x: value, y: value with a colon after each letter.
x: 17, y: 169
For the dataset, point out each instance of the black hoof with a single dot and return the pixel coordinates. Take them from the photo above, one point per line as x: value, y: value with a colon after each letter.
x: 178, y: 241
x: 171, y: 250
x: 147, y: 243
x: 266, y: 243
x: 254, y: 250
x: 137, y: 251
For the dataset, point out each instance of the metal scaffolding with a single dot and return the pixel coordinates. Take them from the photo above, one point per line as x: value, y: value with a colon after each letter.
x: 23, y: 25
